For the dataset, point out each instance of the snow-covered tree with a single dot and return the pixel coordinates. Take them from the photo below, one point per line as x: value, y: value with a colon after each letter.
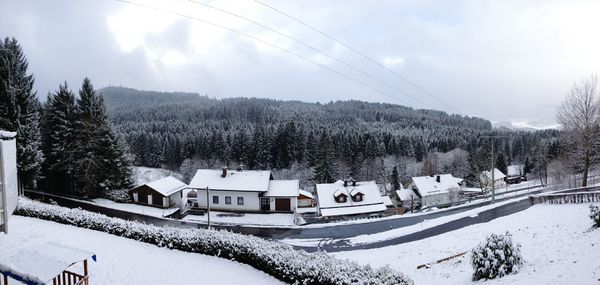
x: 496, y: 257
x: 595, y: 214
x: 20, y: 108
x: 325, y: 166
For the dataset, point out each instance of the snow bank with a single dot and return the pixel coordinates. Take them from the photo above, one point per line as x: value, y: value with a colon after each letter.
x: 276, y: 259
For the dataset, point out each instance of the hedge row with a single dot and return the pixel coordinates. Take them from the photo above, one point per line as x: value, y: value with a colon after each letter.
x: 276, y: 259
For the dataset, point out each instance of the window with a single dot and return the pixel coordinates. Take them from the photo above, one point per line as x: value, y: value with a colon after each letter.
x: 215, y: 199
x: 240, y: 200
x: 227, y: 200
x: 341, y: 199
x: 357, y: 198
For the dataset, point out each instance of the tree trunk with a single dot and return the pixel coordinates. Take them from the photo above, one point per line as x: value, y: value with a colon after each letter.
x: 586, y: 169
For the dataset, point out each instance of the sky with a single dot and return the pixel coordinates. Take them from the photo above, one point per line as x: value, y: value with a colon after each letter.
x: 499, y: 60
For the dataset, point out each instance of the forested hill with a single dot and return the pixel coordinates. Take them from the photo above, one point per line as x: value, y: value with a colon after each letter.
x: 165, y: 128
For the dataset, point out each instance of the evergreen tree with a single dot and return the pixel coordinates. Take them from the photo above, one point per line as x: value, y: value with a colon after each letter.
x: 20, y: 106
x: 501, y: 163
x: 395, y: 179
x: 325, y: 168
x: 58, y: 141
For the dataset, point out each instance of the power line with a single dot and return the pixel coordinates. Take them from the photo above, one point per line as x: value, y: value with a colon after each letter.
x: 261, y: 41
x: 310, y: 47
x: 357, y: 52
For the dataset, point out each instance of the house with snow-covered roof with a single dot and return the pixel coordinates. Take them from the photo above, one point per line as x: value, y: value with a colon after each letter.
x: 244, y: 191
x: 349, y: 198
x: 498, y: 177
x: 434, y: 190
x: 408, y: 199
x: 163, y: 193
x: 515, y: 174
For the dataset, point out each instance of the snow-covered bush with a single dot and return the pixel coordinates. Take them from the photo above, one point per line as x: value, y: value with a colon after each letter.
x: 496, y: 257
x: 119, y: 196
x: 595, y: 214
x: 279, y: 260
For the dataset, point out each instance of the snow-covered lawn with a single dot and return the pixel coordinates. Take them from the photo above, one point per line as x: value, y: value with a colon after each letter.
x: 558, y: 247
x: 125, y: 261
x: 275, y: 219
x: 135, y: 208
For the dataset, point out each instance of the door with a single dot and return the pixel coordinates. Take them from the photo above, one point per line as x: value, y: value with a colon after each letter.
x: 143, y: 198
x: 265, y: 204
x: 283, y: 204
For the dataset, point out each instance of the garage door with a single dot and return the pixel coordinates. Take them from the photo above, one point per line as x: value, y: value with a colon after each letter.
x: 283, y: 204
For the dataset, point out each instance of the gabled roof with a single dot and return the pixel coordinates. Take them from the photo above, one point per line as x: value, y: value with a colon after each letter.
x: 428, y: 185
x: 356, y: 191
x: 497, y: 174
x: 306, y: 194
x: 245, y: 180
x: 406, y: 194
x: 166, y: 186
x: 372, y: 201
x: 283, y: 188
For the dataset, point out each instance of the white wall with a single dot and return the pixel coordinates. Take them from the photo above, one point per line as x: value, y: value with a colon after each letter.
x: 176, y: 200
x: 437, y: 199
x: 8, y: 153
x: 251, y: 200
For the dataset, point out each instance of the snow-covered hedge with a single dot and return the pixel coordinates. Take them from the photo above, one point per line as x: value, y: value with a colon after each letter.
x: 496, y: 257
x: 277, y: 259
x: 119, y: 196
x: 595, y: 214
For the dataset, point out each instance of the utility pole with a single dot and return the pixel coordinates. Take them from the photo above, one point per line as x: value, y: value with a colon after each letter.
x: 208, y: 206
x: 493, y: 167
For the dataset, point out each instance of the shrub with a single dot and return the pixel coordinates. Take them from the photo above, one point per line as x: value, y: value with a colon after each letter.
x: 119, y: 196
x: 277, y: 259
x: 496, y: 257
x: 595, y: 214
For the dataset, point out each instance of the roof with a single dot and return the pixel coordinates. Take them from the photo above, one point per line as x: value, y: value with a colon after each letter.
x: 515, y: 170
x: 7, y: 134
x: 428, y: 185
x: 406, y: 194
x: 40, y: 263
x: 306, y: 194
x: 283, y: 188
x: 372, y: 201
x: 386, y: 200
x: 497, y: 174
x: 245, y: 180
x: 166, y: 186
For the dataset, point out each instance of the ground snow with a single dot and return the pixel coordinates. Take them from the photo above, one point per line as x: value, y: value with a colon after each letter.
x: 558, y: 247
x: 274, y: 219
x: 125, y: 261
x: 135, y: 208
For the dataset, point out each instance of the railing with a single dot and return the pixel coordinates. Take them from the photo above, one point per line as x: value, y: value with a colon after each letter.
x: 70, y: 278
x: 569, y: 198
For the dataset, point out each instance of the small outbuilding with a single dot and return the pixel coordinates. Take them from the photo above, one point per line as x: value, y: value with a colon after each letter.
x: 163, y: 193
x: 306, y: 199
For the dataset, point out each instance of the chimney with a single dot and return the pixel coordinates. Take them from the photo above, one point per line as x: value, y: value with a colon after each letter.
x: 345, y: 183
x: 224, y: 174
x: 437, y: 179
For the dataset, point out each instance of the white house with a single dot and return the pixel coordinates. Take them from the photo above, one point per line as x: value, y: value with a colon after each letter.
x: 515, y: 173
x: 486, y: 178
x: 244, y: 191
x: 436, y: 189
x: 8, y: 178
x: 349, y: 198
x: 408, y: 198
x: 164, y: 193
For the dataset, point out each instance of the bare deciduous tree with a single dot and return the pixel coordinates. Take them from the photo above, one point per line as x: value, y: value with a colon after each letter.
x: 579, y: 115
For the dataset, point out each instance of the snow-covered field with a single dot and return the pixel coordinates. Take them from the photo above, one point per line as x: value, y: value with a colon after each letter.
x: 125, y: 261
x: 557, y: 245
x: 135, y: 208
x: 275, y: 219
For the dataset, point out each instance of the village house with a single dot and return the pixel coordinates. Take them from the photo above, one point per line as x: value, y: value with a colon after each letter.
x: 515, y: 174
x: 408, y: 199
x: 436, y: 190
x: 486, y: 178
x: 349, y: 198
x: 244, y: 191
x: 163, y: 193
x: 306, y: 199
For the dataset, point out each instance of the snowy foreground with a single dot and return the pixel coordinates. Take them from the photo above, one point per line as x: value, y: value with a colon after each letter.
x: 558, y: 247
x: 125, y: 261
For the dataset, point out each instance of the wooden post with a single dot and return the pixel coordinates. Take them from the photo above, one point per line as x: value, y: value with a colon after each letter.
x: 85, y: 269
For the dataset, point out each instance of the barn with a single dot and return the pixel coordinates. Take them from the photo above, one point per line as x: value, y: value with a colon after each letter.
x: 163, y: 193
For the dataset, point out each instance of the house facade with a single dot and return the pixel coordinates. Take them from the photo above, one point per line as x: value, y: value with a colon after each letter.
x: 486, y: 179
x: 344, y: 198
x: 163, y: 193
x: 243, y: 191
x: 436, y: 190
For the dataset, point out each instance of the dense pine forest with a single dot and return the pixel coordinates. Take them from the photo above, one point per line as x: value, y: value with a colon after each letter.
x: 310, y: 141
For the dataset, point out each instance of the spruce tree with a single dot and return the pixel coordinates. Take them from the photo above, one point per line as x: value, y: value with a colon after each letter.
x: 58, y: 141
x: 395, y: 179
x: 21, y: 107
x: 325, y: 168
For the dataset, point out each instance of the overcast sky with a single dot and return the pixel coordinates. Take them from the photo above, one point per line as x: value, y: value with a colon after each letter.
x: 501, y: 60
